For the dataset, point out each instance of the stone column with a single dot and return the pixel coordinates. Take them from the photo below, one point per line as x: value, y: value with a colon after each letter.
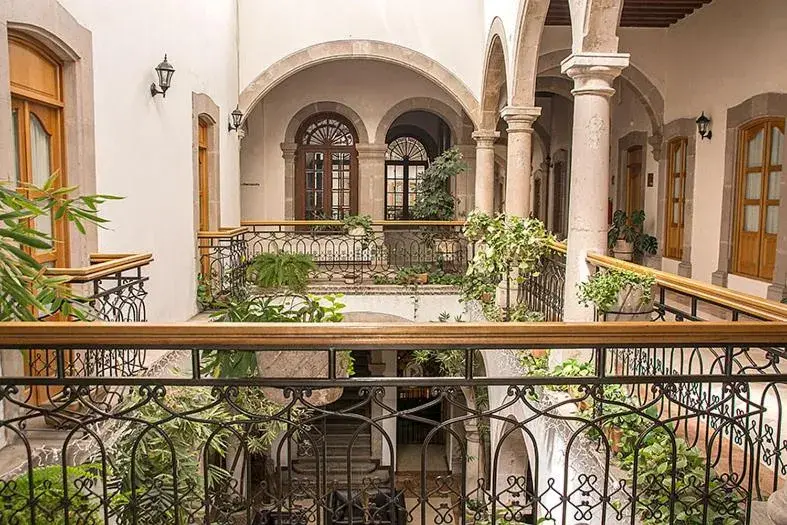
x: 288, y: 154
x: 485, y: 169
x: 519, y: 158
x: 371, y: 180
x: 464, y: 185
x: 587, y: 230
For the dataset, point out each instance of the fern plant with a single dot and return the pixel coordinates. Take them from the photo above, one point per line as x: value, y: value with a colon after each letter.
x: 289, y: 271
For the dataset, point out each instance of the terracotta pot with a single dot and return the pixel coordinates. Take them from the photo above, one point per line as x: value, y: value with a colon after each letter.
x: 486, y: 297
x: 350, y: 278
x: 623, y: 250
x: 421, y: 278
x: 614, y: 436
x: 539, y: 353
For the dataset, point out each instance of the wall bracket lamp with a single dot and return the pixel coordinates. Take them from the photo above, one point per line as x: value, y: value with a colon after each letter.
x: 235, y: 119
x: 703, y: 127
x: 164, y: 71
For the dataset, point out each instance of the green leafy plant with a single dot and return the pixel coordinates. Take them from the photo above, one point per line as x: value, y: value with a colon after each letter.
x: 26, y: 292
x: 434, y: 201
x: 277, y: 308
x: 507, y: 246
x: 631, y: 230
x: 362, y: 222
x: 604, y: 287
x: 289, y: 271
x: 49, y: 494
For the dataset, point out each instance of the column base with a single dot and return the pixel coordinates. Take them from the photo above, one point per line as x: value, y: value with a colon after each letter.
x: 684, y: 269
x: 719, y: 278
x: 777, y: 292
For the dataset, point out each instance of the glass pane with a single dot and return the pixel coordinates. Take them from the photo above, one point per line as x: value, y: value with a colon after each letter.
x: 677, y: 159
x: 39, y: 152
x: 676, y: 186
x: 754, y: 151
x: 15, y: 131
x: 328, y: 132
x: 675, y: 213
x: 774, y: 181
x: 753, y: 185
x: 772, y: 220
x: 777, y: 146
x: 751, y: 218
x: 406, y: 148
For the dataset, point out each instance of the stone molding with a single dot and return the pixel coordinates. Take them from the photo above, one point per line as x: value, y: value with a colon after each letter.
x: 461, y: 129
x: 202, y: 106
x: 593, y: 73
x: 520, y: 119
x: 371, y: 151
x: 325, y: 107
x: 485, y: 139
x: 358, y: 49
x: 682, y: 127
x: 758, y: 106
x: 52, y: 26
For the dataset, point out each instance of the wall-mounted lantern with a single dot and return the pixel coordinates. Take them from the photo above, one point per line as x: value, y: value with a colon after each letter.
x: 703, y: 126
x: 164, y: 72
x: 235, y: 119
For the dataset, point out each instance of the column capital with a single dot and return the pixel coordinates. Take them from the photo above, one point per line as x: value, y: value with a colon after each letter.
x: 485, y: 138
x: 593, y: 73
x: 288, y: 150
x: 520, y: 118
x: 367, y: 150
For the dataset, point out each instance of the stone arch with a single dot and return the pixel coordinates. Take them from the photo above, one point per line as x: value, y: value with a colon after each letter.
x: 647, y: 93
x: 511, y: 462
x: 52, y: 26
x: 560, y: 86
x: 460, y: 130
x: 530, y: 25
x: 326, y: 107
x: 594, y: 27
x: 494, y: 80
x: 357, y: 49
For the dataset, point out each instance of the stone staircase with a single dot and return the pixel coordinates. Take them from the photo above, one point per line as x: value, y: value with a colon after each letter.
x: 337, y: 432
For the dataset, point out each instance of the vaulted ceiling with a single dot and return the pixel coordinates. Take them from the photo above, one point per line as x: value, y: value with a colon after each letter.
x: 636, y: 13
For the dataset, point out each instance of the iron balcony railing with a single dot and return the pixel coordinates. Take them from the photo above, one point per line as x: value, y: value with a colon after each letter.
x: 657, y: 423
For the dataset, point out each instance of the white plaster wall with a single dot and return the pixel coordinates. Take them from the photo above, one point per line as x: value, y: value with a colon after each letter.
x: 370, y: 88
x: 424, y: 309
x: 508, y: 12
x: 448, y: 31
x: 722, y: 55
x: 144, y: 144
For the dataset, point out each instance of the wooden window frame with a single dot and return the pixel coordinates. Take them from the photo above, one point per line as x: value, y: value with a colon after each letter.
x: 673, y: 235
x: 405, y: 163
x: 25, y: 99
x: 763, y: 272
x: 328, y: 150
x: 629, y: 194
x: 204, y: 174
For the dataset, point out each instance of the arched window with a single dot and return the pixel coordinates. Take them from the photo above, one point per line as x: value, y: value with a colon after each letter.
x: 757, y: 211
x: 405, y: 162
x: 327, y: 176
x: 676, y: 197
x: 37, y: 123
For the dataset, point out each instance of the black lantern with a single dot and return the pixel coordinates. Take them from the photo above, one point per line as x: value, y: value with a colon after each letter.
x: 703, y: 127
x: 164, y: 72
x: 235, y: 119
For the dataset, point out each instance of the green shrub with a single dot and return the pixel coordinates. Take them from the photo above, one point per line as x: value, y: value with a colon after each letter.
x: 49, y: 494
x: 434, y: 201
x: 288, y: 271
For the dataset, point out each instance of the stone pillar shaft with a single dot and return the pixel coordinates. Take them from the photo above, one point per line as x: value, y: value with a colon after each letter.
x: 485, y: 170
x: 465, y: 182
x: 288, y: 154
x: 587, y: 230
x: 371, y: 178
x: 519, y: 162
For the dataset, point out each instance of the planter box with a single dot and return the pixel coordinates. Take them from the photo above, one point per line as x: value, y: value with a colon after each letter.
x: 623, y: 250
x: 630, y: 305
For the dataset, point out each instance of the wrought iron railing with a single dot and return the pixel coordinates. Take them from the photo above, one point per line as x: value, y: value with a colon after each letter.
x: 659, y: 423
x: 683, y: 299
x: 223, y: 257
x: 393, y: 247
x: 543, y: 292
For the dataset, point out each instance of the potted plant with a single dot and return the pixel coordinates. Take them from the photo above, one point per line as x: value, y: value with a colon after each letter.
x: 620, y: 295
x: 627, y: 239
x: 358, y: 226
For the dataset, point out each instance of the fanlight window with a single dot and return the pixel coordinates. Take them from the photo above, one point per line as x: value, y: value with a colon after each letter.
x: 406, y: 148
x: 327, y: 132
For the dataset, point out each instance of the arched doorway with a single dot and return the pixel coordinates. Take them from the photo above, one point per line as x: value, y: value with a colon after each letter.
x: 326, y: 179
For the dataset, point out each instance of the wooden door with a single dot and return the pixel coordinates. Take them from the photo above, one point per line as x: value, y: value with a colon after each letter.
x: 635, y: 193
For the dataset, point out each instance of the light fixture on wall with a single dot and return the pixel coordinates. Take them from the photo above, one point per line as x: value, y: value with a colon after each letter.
x: 235, y: 119
x: 164, y: 71
x: 703, y: 126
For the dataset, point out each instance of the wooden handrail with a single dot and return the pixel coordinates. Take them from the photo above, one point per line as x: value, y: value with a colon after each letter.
x: 101, y: 265
x: 339, y: 223
x: 323, y: 336
x: 222, y: 233
x: 741, y: 302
